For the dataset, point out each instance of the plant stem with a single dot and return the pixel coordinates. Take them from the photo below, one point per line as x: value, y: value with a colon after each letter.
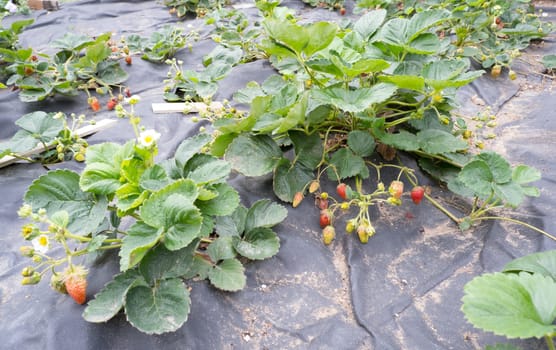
x: 442, y: 209
x: 515, y: 221
x: 549, y: 342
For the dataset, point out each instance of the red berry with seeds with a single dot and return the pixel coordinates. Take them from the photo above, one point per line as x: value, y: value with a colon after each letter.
x: 75, y: 280
x: 341, y: 190
x: 94, y: 104
x: 417, y: 194
x: 342, y: 11
x: 128, y: 59
x: 325, y: 218
x: 111, y: 104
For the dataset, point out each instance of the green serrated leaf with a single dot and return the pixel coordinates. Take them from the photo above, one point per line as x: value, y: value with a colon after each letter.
x: 368, y: 24
x: 356, y: 100
x: 308, y: 148
x: 228, y: 275
x: 109, y: 301
x: 523, y: 174
x: 59, y: 190
x: 224, y: 204
x: 476, y: 176
x: 60, y: 218
x: 161, y: 263
x: 221, y: 249
x: 290, y: 178
x: 232, y: 225
x: 499, y: 167
x: 436, y: 141
x: 502, y: 304
x: 253, y: 155
x: 163, y: 308
x: 257, y: 244
x: 264, y: 213
x: 189, y: 147
x: 361, y: 143
x: 154, y: 178
x: 511, y: 193
x: 543, y: 263
x: 102, y: 172
x: 344, y: 163
x: 215, y: 170
x: 139, y: 239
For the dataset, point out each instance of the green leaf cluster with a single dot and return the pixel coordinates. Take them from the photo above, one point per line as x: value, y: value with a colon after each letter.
x: 183, y: 221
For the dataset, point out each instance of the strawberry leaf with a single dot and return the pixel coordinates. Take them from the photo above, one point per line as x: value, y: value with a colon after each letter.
x: 59, y: 190
x: 264, y: 213
x: 224, y: 203
x: 109, y: 301
x: 160, y: 309
x: 290, y: 178
x: 253, y: 155
x: 543, y: 263
x: 258, y: 244
x: 139, y: 239
x: 515, y: 306
x: 228, y: 275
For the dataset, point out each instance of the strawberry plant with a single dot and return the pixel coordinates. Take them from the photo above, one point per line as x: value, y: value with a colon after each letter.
x: 343, y: 94
x: 170, y: 221
x: 491, y: 32
x: 161, y: 45
x: 199, y: 7
x: 82, y: 63
x: 54, y: 131
x: 518, y: 302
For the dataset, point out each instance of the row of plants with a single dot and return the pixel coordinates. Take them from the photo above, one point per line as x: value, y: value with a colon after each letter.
x: 342, y: 93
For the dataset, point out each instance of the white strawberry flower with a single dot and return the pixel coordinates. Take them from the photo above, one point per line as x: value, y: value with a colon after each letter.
x: 41, y: 243
x: 148, y: 138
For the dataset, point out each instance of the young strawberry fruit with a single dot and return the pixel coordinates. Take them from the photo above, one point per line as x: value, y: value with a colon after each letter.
x: 496, y: 70
x: 94, y: 104
x: 417, y: 194
x: 321, y: 203
x: 328, y: 234
x: 111, y: 104
x: 341, y: 190
x: 325, y: 218
x: 128, y: 59
x: 297, y: 198
x: 314, y: 186
x: 127, y: 92
x: 75, y: 280
x: 396, y: 189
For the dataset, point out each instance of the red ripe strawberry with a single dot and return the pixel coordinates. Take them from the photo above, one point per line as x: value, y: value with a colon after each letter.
x: 128, y: 59
x: 396, y: 189
x: 95, y: 104
x: 342, y: 11
x: 341, y: 190
x: 297, y: 198
x: 34, y: 58
x: 111, y: 104
x: 325, y: 218
x: 417, y: 194
x: 76, y: 283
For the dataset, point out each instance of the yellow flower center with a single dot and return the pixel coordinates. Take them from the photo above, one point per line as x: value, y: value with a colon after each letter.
x: 43, y: 241
x: 148, y: 139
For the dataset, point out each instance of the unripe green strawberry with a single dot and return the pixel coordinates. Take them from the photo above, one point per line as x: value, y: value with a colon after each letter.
x: 328, y: 234
x: 57, y: 283
x: 33, y: 279
x: 362, y: 234
x: 496, y: 70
